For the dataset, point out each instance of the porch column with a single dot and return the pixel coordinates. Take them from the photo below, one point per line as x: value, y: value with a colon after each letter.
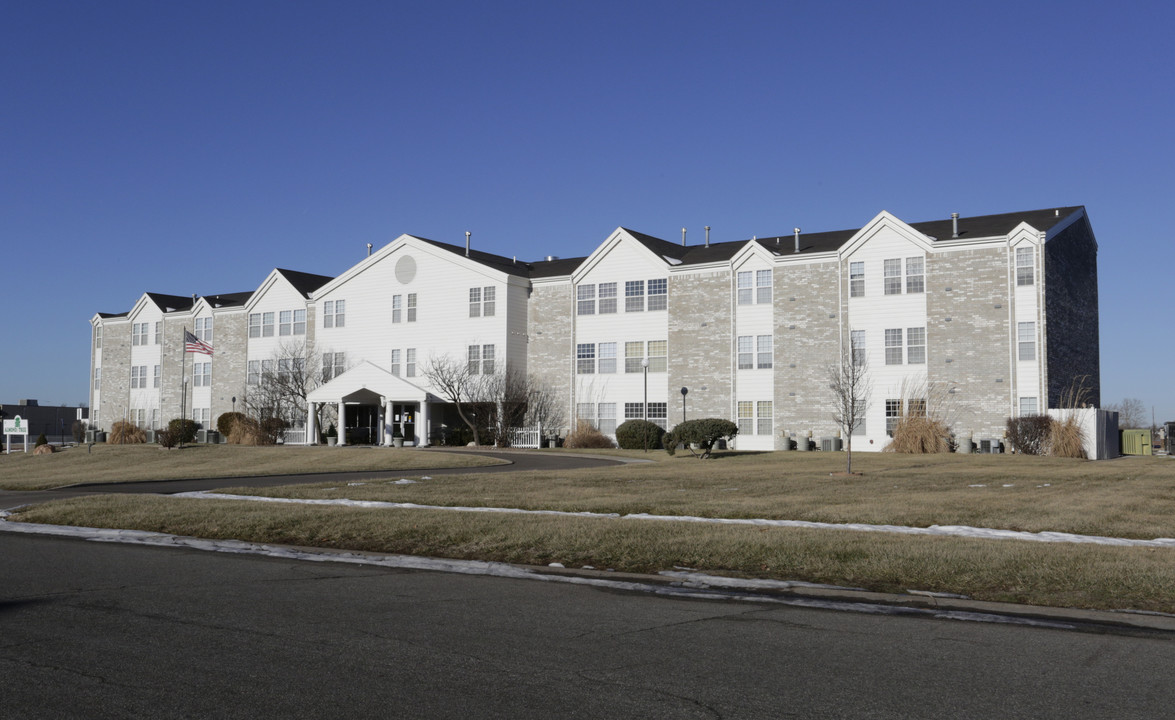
x: 385, y: 424
x: 342, y: 423
x: 311, y: 423
x: 422, y: 424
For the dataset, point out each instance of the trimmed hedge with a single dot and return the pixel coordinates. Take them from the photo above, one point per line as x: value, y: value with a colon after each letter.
x: 704, y: 433
x: 639, y: 435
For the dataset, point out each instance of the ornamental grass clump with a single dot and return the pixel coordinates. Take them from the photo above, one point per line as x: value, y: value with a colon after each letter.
x: 124, y: 432
x: 918, y: 434
x: 587, y: 436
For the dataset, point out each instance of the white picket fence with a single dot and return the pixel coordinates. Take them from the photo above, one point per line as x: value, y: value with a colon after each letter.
x: 531, y: 437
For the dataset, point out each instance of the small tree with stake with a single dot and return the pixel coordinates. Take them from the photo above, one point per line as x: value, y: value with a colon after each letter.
x: 848, y: 381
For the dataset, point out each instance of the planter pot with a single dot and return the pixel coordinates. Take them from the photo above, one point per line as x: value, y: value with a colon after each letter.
x: 398, y: 442
x: 332, y: 441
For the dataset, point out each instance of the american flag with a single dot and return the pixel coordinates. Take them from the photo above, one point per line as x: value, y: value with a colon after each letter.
x: 195, y: 345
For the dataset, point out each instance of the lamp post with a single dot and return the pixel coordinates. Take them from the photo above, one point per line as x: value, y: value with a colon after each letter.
x: 645, y: 405
x: 684, y: 391
x: 234, y: 403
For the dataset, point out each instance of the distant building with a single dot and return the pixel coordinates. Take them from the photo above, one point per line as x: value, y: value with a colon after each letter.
x: 55, y: 421
x: 999, y: 312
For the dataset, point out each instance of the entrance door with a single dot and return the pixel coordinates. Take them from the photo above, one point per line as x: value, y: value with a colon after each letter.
x: 404, y: 418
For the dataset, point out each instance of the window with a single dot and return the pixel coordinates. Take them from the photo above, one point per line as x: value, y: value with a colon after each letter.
x: 659, y: 413
x: 157, y: 376
x: 658, y: 294
x: 856, y: 279
x: 658, y: 356
x: 411, y: 307
x: 204, y: 329
x: 746, y: 418
x: 893, y: 346
x: 200, y: 415
x: 859, y: 428
x: 764, y: 424
x: 487, y: 359
x: 762, y: 286
x: 746, y: 348
x: 586, y: 297
x: 397, y: 311
x: 202, y: 374
x: 916, y: 407
x: 285, y: 322
x: 267, y: 369
x: 334, y: 313
x: 139, y: 334
x: 585, y: 358
x: 893, y: 413
x: 607, y: 359
x: 285, y: 369
x: 634, y: 355
x: 267, y: 324
x: 98, y: 337
x: 159, y: 331
x: 299, y: 322
x: 473, y: 363
x: 586, y: 412
x: 607, y: 298
x: 254, y: 325
x: 395, y: 369
x: 1025, y: 271
x: 765, y: 352
x: 893, y: 277
x: 254, y: 374
x: 138, y: 376
x: 915, y: 275
x: 1027, y: 406
x: 857, y: 343
x: 634, y: 296
x: 916, y: 346
x: 97, y: 378
x: 332, y: 365
x: 607, y: 418
x: 410, y: 362
x: 481, y: 302
x: 487, y: 298
x: 1026, y: 332
x: 634, y: 411
x: 745, y: 291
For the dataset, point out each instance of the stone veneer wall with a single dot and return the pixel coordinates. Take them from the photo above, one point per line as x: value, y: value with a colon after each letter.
x: 230, y: 341
x: 967, y: 338
x: 549, y: 330
x: 116, y: 373
x: 174, y: 362
x: 1071, y: 313
x: 700, y: 348
x: 807, y: 344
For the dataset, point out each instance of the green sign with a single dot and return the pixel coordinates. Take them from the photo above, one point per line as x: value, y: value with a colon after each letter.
x: 16, y: 426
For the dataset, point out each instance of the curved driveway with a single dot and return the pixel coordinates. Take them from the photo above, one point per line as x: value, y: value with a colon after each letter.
x: 520, y: 461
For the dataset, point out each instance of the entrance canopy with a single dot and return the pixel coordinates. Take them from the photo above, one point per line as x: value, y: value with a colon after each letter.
x: 366, y: 384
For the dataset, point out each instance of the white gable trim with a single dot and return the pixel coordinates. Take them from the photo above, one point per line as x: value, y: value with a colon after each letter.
x: 618, y: 236
x: 375, y: 380
x: 270, y: 280
x: 885, y: 220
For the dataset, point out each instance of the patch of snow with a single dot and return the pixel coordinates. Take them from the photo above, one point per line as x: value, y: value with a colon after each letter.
x: 355, y: 484
x: 671, y: 261
x: 1009, y: 485
x: 933, y: 594
x: 976, y: 486
x: 555, y: 565
x: 402, y: 481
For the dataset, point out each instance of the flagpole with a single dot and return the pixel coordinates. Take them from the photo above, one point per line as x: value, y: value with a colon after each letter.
x: 183, y: 386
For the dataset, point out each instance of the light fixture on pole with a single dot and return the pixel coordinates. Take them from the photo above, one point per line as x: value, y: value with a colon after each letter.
x: 645, y: 405
x: 684, y: 391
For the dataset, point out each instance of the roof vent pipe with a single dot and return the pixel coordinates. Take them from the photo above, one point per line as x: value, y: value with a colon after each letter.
x: 683, y: 237
x: 368, y: 249
x: 707, y: 236
x: 954, y: 225
x: 467, y: 243
x: 797, y: 232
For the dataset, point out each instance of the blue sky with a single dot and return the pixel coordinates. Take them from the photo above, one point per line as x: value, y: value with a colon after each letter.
x: 191, y: 147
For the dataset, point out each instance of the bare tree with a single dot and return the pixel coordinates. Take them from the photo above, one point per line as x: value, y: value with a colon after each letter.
x: 849, y: 383
x: 285, y: 380
x: 544, y: 407
x: 457, y: 383
x: 1131, y: 413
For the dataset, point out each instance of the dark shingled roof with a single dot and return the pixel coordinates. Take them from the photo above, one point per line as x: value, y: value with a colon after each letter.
x: 304, y: 283
x: 171, y: 303
x: 505, y: 264
x: 106, y: 316
x: 229, y: 299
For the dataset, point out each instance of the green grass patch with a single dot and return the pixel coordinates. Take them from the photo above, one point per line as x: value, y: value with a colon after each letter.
x: 1085, y: 576
x: 136, y: 463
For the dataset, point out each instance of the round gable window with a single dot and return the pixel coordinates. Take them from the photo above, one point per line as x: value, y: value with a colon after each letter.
x: 405, y: 269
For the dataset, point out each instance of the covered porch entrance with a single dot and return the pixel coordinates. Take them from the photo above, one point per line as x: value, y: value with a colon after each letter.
x: 374, y: 408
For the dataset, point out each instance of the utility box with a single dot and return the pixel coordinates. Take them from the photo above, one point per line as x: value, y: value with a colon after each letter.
x: 1136, y: 442
x: 830, y: 444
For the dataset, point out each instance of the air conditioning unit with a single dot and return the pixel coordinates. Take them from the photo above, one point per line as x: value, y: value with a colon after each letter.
x: 985, y: 446
x: 830, y: 444
x: 201, y: 436
x: 150, y: 435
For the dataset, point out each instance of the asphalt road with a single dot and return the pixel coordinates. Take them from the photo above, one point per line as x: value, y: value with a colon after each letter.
x: 96, y: 630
